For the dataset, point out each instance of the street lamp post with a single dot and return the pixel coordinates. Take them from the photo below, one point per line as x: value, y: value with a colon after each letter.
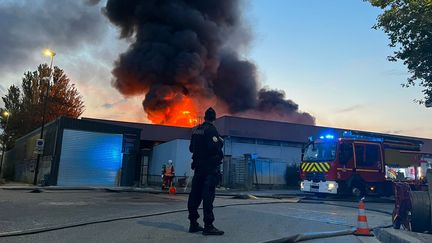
x: 51, y: 54
x: 6, y: 114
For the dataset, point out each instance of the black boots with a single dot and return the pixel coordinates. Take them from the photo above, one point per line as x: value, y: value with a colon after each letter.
x: 207, y: 230
x: 193, y: 228
x: 211, y: 230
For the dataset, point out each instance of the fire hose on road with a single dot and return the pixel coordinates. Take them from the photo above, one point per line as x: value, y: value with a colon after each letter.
x: 113, y: 219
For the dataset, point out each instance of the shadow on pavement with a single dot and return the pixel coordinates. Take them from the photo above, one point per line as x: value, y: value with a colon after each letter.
x: 163, y: 225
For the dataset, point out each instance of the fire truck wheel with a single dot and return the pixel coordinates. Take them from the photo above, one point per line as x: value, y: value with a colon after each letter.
x: 357, y: 189
x: 343, y: 189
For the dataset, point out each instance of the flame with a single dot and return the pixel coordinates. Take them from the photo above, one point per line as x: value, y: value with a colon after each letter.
x: 181, y: 111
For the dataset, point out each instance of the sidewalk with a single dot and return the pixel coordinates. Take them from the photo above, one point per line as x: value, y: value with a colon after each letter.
x: 401, y: 236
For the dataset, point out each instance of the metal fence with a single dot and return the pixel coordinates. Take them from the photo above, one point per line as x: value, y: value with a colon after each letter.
x: 247, y: 172
x: 235, y: 172
x: 242, y: 172
x: 269, y: 172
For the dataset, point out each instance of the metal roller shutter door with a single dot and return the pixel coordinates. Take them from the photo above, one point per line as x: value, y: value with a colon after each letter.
x: 90, y: 158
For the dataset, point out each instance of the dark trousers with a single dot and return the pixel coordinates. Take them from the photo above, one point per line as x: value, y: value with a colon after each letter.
x: 166, y: 182
x: 203, y: 189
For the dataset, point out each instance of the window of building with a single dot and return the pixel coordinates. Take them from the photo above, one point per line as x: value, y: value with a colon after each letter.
x: 268, y: 142
x: 295, y: 145
x: 243, y: 140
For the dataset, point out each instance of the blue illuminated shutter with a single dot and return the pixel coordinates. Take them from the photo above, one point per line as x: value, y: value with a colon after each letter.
x: 90, y: 159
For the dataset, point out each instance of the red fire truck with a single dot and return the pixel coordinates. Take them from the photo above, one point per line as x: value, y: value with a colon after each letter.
x: 358, y: 163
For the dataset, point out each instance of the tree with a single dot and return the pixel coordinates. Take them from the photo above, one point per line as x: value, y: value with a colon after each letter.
x: 25, y: 104
x: 408, y: 24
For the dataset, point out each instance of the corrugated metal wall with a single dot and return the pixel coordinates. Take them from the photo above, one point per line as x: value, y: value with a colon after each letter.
x: 278, y: 151
x: 90, y: 159
x: 250, y: 162
x: 248, y: 172
x: 242, y: 155
x: 270, y: 172
x: 19, y: 162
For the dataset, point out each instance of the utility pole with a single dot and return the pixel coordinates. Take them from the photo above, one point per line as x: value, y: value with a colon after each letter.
x: 7, y: 114
x: 51, y: 54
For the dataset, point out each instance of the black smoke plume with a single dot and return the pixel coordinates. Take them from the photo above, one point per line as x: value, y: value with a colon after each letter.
x: 190, y: 48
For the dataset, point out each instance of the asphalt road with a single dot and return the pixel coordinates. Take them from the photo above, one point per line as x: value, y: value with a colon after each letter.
x: 262, y: 220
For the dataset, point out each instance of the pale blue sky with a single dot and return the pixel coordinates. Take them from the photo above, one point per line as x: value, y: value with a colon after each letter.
x: 327, y: 58
x: 322, y: 53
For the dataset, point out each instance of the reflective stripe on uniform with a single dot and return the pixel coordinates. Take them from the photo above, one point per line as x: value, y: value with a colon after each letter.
x: 168, y: 171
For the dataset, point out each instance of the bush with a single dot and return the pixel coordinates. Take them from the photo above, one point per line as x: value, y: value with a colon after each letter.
x: 292, y: 175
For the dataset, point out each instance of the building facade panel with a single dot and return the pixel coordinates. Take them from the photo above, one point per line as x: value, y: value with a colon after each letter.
x: 90, y: 159
x: 20, y: 161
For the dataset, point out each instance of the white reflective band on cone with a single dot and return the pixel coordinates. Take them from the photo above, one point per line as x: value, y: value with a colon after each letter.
x: 363, y: 225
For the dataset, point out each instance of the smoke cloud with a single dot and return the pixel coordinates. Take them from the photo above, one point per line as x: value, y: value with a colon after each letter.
x: 184, y: 55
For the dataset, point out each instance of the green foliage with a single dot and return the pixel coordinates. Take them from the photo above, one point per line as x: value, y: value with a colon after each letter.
x: 408, y: 24
x: 26, y: 104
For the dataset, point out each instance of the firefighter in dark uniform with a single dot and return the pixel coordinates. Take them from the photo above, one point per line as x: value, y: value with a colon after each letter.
x: 206, y: 147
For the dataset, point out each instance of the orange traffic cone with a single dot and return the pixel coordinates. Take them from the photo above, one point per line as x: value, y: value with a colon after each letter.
x: 362, y: 225
x: 172, y: 190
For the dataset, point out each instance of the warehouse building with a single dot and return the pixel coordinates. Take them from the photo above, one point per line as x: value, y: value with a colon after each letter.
x: 257, y: 152
x: 77, y: 153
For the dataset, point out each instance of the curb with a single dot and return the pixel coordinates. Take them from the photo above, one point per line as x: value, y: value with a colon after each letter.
x: 312, y: 236
x: 389, y: 235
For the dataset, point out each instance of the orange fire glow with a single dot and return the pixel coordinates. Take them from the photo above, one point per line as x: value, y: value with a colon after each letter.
x: 183, y: 112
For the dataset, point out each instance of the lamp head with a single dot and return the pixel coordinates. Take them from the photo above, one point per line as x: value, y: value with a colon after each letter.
x: 49, y: 53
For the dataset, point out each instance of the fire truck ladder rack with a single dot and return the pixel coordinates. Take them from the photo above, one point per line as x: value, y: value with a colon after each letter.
x: 389, y: 141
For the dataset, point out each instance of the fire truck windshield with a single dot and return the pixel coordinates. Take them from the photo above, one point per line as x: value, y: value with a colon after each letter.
x: 325, y: 151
